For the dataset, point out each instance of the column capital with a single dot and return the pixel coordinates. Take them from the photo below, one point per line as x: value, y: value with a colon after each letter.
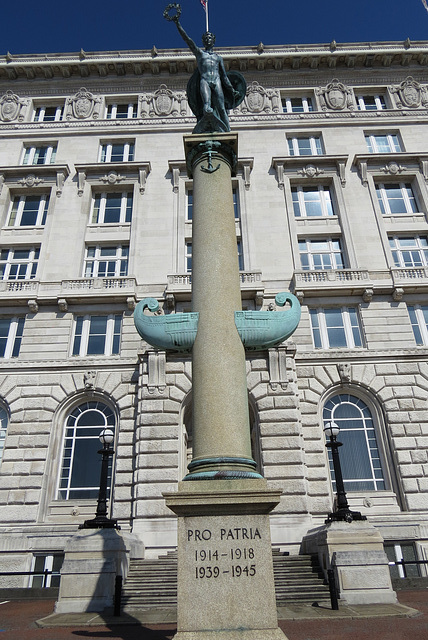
x: 209, y: 148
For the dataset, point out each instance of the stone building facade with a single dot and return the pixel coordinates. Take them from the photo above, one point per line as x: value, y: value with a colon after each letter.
x: 331, y: 202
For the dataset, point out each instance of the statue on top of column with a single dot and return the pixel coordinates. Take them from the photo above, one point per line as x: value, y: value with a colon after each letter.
x: 211, y: 91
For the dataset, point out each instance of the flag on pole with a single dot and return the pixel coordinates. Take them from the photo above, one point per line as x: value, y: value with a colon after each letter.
x: 424, y: 2
x: 204, y: 3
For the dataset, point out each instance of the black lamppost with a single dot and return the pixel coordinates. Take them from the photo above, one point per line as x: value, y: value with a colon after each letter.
x: 101, y: 521
x: 342, y: 511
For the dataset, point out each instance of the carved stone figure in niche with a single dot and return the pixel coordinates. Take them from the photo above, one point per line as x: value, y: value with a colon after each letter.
x: 410, y: 94
x: 83, y: 105
x: 11, y: 106
x: 335, y: 96
x: 210, y: 91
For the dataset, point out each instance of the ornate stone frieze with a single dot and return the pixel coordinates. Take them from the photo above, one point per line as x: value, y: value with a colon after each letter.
x: 83, y: 105
x: 335, y: 96
x: 163, y: 103
x: 410, y: 94
x: 12, y: 107
x: 258, y: 100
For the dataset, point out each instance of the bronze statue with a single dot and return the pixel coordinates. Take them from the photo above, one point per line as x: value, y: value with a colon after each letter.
x: 210, y: 91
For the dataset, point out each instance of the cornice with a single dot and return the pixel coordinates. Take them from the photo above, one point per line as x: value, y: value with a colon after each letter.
x: 175, y: 61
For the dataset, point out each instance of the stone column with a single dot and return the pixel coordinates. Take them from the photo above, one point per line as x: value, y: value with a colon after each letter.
x: 225, y: 570
x: 221, y: 431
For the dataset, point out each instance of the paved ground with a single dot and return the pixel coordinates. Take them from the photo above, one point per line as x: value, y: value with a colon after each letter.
x: 408, y: 621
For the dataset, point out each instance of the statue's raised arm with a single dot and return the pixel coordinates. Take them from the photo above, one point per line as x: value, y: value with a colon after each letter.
x: 211, y: 91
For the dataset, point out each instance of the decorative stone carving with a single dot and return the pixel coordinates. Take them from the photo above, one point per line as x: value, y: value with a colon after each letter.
x: 131, y: 303
x: 393, y: 168
x: 89, y: 379
x: 368, y: 295
x: 310, y: 171
x: 398, y: 294
x: 83, y: 105
x: 410, y: 94
x: 62, y: 305
x: 11, y: 107
x: 344, y: 371
x: 30, y: 181
x: 278, y: 368
x: 112, y: 178
x: 156, y: 361
x: 33, y: 306
x: 336, y: 96
x: 258, y: 100
x: 163, y: 103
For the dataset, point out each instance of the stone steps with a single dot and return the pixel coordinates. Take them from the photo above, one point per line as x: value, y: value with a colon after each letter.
x: 152, y: 584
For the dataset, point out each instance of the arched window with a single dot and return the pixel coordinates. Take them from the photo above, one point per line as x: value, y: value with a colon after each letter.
x: 4, y: 421
x: 360, y: 458
x: 81, y: 462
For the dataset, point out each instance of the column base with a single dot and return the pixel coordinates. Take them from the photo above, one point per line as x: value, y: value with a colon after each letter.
x: 224, y: 468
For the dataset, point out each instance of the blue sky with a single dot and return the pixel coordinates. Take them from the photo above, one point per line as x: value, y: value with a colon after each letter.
x: 51, y: 26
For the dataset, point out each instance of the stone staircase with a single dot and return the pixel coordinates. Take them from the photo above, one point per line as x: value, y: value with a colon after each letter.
x: 152, y: 584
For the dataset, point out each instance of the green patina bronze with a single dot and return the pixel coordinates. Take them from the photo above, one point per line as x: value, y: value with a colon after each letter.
x: 257, y: 329
x: 211, y: 90
x: 175, y: 332
x: 266, y: 329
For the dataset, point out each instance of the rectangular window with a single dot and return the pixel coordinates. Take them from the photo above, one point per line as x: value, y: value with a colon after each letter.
x: 122, y: 111
x: 305, y: 146
x: 48, y: 114
x: 335, y: 328
x: 300, y: 104
x: 97, y: 335
x: 188, y: 257
x: 111, y: 208
x: 419, y: 318
x: 312, y: 201
x: 189, y: 209
x: 371, y: 102
x: 396, y: 198
x: 321, y: 254
x: 51, y: 563
x: 28, y: 211
x: 409, y: 252
x: 399, y: 552
x: 383, y: 143
x: 19, y: 264
x: 11, y: 330
x: 45, y: 154
x: 117, y: 152
x: 104, y: 262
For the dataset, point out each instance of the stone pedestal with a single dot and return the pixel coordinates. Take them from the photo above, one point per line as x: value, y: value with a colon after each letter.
x: 93, y: 559
x: 225, y: 572
x: 355, y: 551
